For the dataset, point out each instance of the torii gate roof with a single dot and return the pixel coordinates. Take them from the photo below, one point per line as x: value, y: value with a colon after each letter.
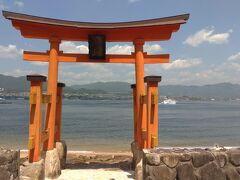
x: 44, y: 28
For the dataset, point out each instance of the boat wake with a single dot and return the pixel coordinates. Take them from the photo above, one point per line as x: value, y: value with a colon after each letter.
x: 169, y: 101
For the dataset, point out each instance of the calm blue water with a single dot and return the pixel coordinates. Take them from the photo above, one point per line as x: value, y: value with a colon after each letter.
x: 108, y: 125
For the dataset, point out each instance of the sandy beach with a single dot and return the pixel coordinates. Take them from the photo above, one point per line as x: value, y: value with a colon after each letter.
x: 89, y: 165
x: 95, y: 174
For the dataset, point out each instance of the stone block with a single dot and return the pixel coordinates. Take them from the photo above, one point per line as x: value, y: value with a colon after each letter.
x: 9, y: 164
x: 221, y: 158
x: 170, y: 159
x: 149, y: 178
x: 4, y: 174
x: 232, y: 173
x: 210, y: 171
x: 234, y: 156
x: 7, y: 156
x: 139, y: 165
x: 192, y: 164
x: 161, y: 173
x: 153, y: 159
x: 185, y: 172
x: 134, y: 152
x: 62, y: 153
x: 238, y: 170
x: 200, y: 158
x: 52, y: 164
x: 185, y: 157
x: 33, y: 171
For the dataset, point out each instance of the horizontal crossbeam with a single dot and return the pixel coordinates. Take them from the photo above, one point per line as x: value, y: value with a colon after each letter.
x: 111, y: 58
x: 45, y: 135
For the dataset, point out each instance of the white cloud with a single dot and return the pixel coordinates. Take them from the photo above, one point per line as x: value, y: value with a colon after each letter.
x: 40, y: 63
x: 3, y: 7
x: 234, y: 58
x: 182, y: 64
x: 127, y: 49
x: 20, y: 72
x: 19, y: 4
x: 120, y: 49
x: 129, y: 1
x: 10, y: 52
x: 224, y: 72
x: 71, y: 47
x: 89, y: 73
x: 133, y: 1
x: 207, y: 35
x: 154, y: 48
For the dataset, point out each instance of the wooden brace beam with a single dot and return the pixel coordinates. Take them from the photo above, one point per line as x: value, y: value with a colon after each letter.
x: 111, y: 58
x: 154, y: 141
x: 46, y: 98
x: 31, y: 143
x: 143, y: 99
x: 154, y: 99
x: 45, y: 135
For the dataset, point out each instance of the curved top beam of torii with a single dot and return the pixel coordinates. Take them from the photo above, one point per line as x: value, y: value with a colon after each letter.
x: 44, y: 28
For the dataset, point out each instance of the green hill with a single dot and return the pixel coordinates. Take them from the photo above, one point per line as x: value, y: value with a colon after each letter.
x: 222, y: 90
x: 111, y: 87
x: 14, y: 84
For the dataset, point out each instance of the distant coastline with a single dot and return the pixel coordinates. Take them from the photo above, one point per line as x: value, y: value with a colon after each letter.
x: 18, y: 88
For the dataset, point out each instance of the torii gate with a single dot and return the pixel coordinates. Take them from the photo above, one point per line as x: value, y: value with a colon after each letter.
x: 53, y: 30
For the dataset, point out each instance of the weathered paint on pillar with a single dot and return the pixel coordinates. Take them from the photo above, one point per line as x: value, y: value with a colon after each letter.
x: 140, y: 92
x: 35, y: 120
x: 152, y: 110
x: 59, y: 112
x: 133, y: 86
x: 52, y: 90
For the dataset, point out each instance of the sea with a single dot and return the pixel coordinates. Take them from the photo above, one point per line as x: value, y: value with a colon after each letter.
x: 107, y: 125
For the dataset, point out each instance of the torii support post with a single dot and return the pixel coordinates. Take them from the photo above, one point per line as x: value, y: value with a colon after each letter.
x: 51, y: 115
x: 152, y: 110
x: 58, y: 126
x: 133, y: 86
x: 140, y: 93
x: 35, y: 122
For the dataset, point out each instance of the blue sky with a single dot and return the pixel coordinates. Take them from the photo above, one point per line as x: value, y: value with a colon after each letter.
x: 206, y: 50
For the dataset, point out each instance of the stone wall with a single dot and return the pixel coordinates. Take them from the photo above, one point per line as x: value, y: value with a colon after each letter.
x: 191, y: 164
x: 9, y: 164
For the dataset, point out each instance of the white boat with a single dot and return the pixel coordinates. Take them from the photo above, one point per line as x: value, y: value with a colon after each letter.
x: 4, y: 101
x: 169, y: 101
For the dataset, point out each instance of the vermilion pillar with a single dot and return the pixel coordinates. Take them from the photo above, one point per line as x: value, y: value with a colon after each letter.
x: 52, y: 90
x: 140, y: 93
x: 35, y: 122
x: 152, y: 110
x: 133, y: 86
x: 58, y: 126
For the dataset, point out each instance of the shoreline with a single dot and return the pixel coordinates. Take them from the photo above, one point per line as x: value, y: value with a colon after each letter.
x: 70, y: 153
x: 24, y: 152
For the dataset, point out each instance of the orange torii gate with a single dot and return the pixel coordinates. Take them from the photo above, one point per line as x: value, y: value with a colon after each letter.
x: 97, y: 34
